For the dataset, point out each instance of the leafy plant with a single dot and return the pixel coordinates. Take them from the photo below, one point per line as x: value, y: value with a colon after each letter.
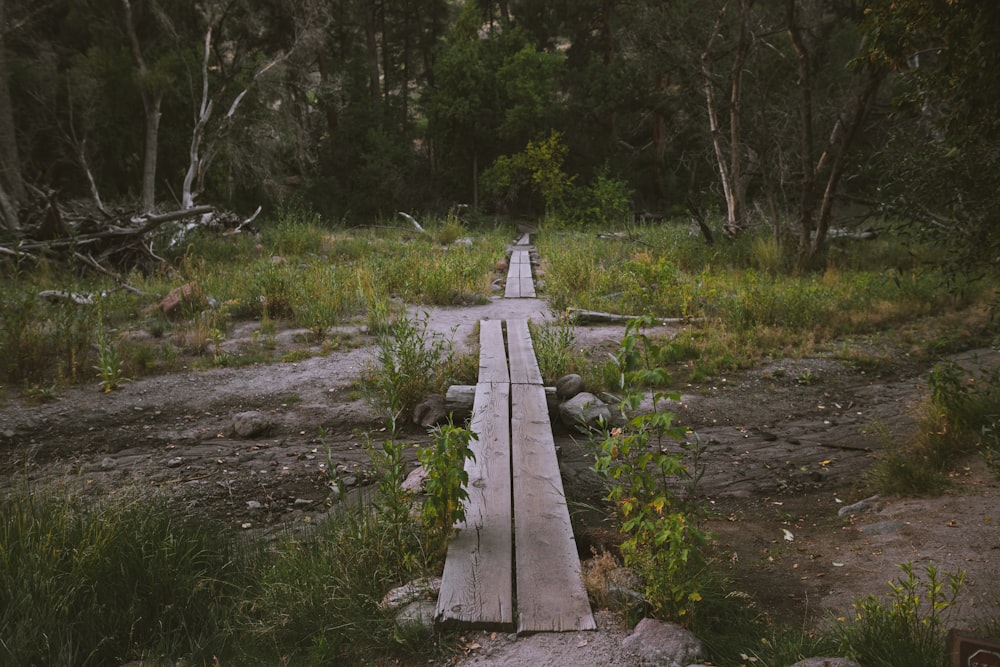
x: 909, y: 627
x: 404, y: 369
x: 110, y: 368
x: 661, y: 540
x: 444, y: 461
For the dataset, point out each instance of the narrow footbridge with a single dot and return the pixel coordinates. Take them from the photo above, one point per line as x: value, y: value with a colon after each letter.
x: 513, y: 563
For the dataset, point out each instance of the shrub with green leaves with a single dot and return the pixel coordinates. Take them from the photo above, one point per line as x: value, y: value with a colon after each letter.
x: 406, y: 366
x: 909, y: 628
x: 444, y: 461
x: 663, y: 541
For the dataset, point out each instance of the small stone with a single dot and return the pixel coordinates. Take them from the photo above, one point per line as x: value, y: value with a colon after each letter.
x: 415, y: 481
x: 350, y: 480
x: 857, y: 507
x: 430, y: 411
x: 108, y: 463
x: 175, y: 462
x: 254, y: 505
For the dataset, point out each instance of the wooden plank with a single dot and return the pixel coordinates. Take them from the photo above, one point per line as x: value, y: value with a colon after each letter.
x: 478, y: 579
x: 513, y: 288
x: 550, y: 592
x: 524, y: 239
x: 492, y: 353
x: 523, y: 367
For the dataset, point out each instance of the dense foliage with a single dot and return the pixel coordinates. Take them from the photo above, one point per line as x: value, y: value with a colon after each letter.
x: 754, y: 113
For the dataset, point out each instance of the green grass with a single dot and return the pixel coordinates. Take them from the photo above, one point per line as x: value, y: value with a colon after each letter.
x: 129, y: 576
x: 298, y: 272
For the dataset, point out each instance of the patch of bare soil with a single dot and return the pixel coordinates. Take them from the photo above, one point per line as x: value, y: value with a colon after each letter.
x: 785, y: 447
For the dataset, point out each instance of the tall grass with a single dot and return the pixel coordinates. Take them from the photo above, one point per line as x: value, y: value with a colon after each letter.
x: 296, y: 271
x: 87, y: 581
x: 124, y: 579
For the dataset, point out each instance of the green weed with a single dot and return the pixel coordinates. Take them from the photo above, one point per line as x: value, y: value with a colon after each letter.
x: 663, y: 541
x: 444, y: 461
x: 406, y: 367
x: 908, y: 628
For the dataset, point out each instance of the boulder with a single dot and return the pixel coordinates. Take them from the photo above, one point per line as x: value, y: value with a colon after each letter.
x: 667, y: 644
x: 584, y: 412
x: 568, y: 386
x: 431, y: 411
x: 250, y: 424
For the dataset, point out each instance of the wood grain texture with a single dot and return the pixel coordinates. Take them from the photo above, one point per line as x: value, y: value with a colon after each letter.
x: 550, y: 592
x: 523, y: 366
x: 492, y: 352
x: 477, y: 583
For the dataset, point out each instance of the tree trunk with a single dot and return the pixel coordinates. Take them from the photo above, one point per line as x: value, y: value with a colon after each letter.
x: 151, y: 100
x: 371, y: 45
x: 713, y: 122
x: 11, y: 181
x: 807, y: 196
x: 848, y: 136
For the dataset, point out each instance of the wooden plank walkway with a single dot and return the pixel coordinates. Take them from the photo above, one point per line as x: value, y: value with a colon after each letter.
x: 515, y: 556
x: 519, y: 282
x: 474, y: 591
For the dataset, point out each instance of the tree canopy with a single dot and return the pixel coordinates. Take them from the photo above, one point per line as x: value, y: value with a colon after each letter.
x: 794, y: 115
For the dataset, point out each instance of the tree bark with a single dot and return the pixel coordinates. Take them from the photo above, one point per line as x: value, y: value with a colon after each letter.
x: 807, y: 196
x: 714, y: 127
x: 152, y: 98
x: 11, y: 181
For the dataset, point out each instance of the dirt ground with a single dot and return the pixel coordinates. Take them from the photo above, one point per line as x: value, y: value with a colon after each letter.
x: 786, y: 445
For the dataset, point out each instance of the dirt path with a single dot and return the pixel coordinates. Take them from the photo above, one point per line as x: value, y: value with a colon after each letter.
x: 786, y: 445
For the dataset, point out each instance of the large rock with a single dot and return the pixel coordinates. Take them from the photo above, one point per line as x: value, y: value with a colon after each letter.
x: 584, y: 412
x: 250, y: 424
x: 431, y: 411
x: 665, y: 644
x: 180, y: 299
x: 568, y: 386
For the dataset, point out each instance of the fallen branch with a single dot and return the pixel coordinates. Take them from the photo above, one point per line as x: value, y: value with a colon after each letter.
x: 580, y: 316
x: 413, y: 221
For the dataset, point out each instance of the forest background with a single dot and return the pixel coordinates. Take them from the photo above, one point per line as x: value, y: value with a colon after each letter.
x: 794, y: 114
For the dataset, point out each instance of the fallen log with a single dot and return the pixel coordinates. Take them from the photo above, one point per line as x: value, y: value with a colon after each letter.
x: 581, y: 316
x: 459, y: 398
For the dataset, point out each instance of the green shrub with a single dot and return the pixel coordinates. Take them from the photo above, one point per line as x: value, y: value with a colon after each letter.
x: 406, y: 367
x: 909, y: 628
x: 663, y: 541
x: 444, y: 461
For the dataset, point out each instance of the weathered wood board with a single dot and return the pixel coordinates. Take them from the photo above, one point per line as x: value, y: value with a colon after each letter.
x: 477, y: 583
x: 523, y: 366
x: 519, y: 281
x: 492, y: 352
x: 524, y: 239
x: 550, y: 592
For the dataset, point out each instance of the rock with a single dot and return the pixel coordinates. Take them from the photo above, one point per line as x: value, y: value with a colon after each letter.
x: 250, y: 424
x: 415, y: 481
x: 666, y: 644
x: 882, y: 528
x: 424, y: 589
x: 569, y: 386
x: 254, y: 505
x: 430, y: 411
x: 108, y: 463
x: 584, y: 412
x: 417, y: 615
x: 185, y: 295
x: 860, y: 506
x: 826, y: 662
x: 175, y: 462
